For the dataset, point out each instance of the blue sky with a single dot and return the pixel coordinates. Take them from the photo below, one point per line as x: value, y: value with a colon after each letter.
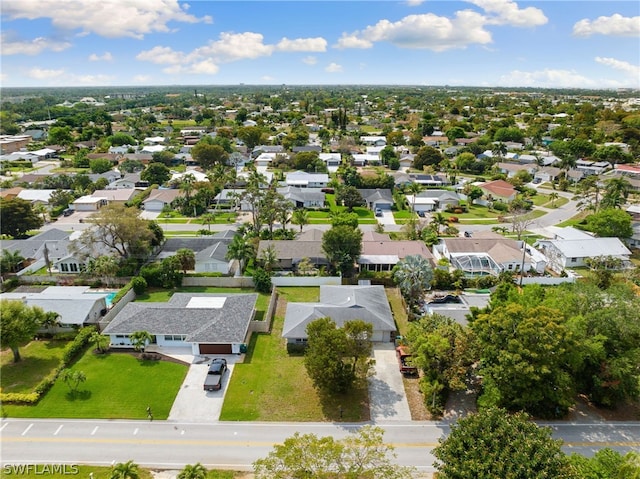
x: 582, y: 44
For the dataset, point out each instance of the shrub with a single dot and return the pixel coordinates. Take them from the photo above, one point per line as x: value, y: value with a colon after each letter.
x: 139, y: 284
x: 262, y: 281
x: 121, y: 293
x: 453, y: 219
x: 19, y: 398
x: 500, y: 206
x: 77, y: 346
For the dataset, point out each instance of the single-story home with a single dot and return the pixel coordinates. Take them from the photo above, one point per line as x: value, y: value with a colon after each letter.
x: 160, y: 198
x: 119, y: 195
x: 76, y: 305
x: 210, y: 251
x: 377, y: 198
x: 332, y: 160
x: 36, y: 196
x: 303, y: 197
x: 203, y: 323
x: 512, y: 169
x: 379, y: 253
x: 89, y: 203
x: 303, y: 179
x: 342, y: 304
x: 433, y: 200
x: 307, y: 245
x: 499, y: 190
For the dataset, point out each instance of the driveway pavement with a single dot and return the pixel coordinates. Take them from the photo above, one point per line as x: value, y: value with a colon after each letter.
x: 386, y: 218
x: 194, y: 404
x: 388, y: 401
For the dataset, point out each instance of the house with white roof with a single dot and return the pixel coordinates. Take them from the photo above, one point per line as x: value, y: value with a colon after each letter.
x: 89, y: 203
x: 572, y: 248
x: 36, y: 196
x: 303, y: 179
x: 332, y: 160
x: 373, y: 140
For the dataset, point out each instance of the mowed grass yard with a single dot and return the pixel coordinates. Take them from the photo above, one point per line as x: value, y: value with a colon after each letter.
x: 98, y: 472
x: 272, y: 385
x: 118, y: 386
x: 38, y: 359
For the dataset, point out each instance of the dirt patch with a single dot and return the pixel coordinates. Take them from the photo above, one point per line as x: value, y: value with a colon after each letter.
x: 584, y: 410
x: 415, y: 399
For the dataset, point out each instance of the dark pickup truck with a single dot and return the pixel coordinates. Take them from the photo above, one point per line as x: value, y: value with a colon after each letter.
x: 405, y: 361
x: 217, y: 370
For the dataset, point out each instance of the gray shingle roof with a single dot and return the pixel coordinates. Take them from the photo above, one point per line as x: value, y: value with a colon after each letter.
x: 341, y: 304
x: 228, y: 324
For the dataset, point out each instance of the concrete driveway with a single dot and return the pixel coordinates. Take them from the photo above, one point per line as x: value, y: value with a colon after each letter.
x: 388, y: 401
x: 386, y: 218
x: 194, y: 404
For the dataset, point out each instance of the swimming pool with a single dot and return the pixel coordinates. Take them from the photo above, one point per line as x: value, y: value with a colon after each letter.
x: 109, y: 299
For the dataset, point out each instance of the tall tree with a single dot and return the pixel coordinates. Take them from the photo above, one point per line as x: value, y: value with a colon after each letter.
x: 495, y: 444
x: 186, y: 258
x: 349, y: 196
x: 616, y: 192
x: 342, y: 245
x: 156, y: 174
x: 209, y: 155
x: 362, y: 454
x: 241, y: 249
x: 610, y: 222
x: 300, y: 217
x: 17, y: 216
x: 18, y: 323
x: 413, y: 275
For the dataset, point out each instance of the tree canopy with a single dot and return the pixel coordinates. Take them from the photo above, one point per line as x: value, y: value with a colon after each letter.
x: 17, y: 216
x: 495, y: 444
x: 18, y: 323
x: 342, y: 245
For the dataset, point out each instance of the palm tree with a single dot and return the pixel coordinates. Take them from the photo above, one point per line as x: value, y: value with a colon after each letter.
x: 414, y: 189
x: 240, y: 249
x: 499, y: 150
x: 51, y: 321
x: 140, y: 339
x: 300, y: 217
x: 553, y: 196
x: 99, y: 340
x: 125, y: 470
x: 195, y: 471
x: 10, y: 261
x: 186, y: 185
x: 616, y: 192
x: 208, y: 219
x: 269, y: 258
x: 413, y: 275
x: 438, y: 220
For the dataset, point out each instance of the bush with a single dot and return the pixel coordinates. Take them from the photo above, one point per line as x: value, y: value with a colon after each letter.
x: 453, y: 219
x: 77, y: 346
x: 19, y: 398
x: 121, y: 293
x: 262, y: 281
x: 500, y: 206
x: 139, y: 284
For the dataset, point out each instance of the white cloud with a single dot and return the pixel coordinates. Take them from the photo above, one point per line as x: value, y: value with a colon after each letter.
x: 107, y: 18
x: 310, y: 60
x: 620, y: 65
x: 106, y: 57
x: 317, y: 44
x: 161, y: 56
x: 614, y: 25
x: 426, y: 31
x: 267, y: 78
x: 205, y: 67
x: 507, y: 12
x: 92, y: 79
x: 30, y: 47
x: 333, y: 68
x: 415, y: 3
x: 235, y: 46
x: 552, y: 78
x: 142, y: 79
x: 44, y: 74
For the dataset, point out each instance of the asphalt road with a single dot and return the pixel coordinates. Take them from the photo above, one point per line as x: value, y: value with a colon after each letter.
x: 235, y: 445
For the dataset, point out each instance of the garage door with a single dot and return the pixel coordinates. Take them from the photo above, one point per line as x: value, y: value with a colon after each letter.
x: 215, y: 349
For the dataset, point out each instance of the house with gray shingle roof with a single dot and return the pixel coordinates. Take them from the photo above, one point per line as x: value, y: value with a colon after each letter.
x: 342, y: 304
x: 377, y: 198
x: 205, y: 323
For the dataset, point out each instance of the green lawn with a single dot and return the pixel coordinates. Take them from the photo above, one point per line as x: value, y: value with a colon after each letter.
x: 39, y: 358
x: 399, y: 311
x: 561, y: 201
x: 118, y: 386
x: 264, y: 387
x: 476, y: 212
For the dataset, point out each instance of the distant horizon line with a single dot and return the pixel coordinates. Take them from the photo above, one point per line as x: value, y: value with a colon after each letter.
x: 316, y: 85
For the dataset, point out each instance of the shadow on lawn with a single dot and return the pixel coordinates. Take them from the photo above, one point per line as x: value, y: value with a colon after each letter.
x: 350, y: 407
x: 251, y: 347
x: 83, y: 395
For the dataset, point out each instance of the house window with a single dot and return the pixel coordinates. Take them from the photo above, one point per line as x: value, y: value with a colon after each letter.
x: 64, y: 267
x: 73, y: 267
x: 168, y: 337
x: 510, y: 266
x: 574, y: 260
x: 301, y: 340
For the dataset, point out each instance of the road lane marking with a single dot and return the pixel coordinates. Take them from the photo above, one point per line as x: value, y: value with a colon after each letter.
x: 57, y: 430
x: 272, y: 443
x: 95, y: 429
x: 3, y: 426
x: 135, y: 431
x: 27, y: 429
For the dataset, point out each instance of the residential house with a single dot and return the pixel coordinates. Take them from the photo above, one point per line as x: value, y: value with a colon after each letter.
x: 406, y: 161
x: 76, y: 305
x: 130, y: 180
x: 499, y: 190
x: 271, y: 149
x: 377, y: 198
x: 198, y: 322
x: 41, y: 197
x: 210, y: 251
x: 35, y: 249
x: 512, y: 169
x: 488, y: 254
x: 332, y: 160
x: 547, y: 174
x: 303, y: 179
x: 303, y: 197
x: 290, y: 253
x: 364, y: 159
x: 592, y: 167
x: 573, y: 248
x: 429, y: 181
x: 120, y: 195
x: 110, y: 176
x: 433, y: 200
x: 435, y: 140
x: 342, y: 304
x: 89, y: 203
x: 372, y: 140
x: 379, y: 253
x: 161, y: 198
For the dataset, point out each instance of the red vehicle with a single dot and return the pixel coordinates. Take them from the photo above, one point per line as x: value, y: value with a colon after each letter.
x: 405, y: 361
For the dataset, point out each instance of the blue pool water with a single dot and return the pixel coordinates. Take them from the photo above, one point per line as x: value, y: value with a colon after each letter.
x: 109, y: 299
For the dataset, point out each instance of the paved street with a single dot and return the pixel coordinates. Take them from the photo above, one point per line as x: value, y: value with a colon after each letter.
x: 168, y: 444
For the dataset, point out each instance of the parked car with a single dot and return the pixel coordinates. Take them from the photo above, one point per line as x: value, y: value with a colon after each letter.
x: 67, y: 212
x: 217, y: 370
x: 378, y: 212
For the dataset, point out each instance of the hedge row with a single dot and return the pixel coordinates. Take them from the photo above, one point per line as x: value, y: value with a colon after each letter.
x: 72, y: 351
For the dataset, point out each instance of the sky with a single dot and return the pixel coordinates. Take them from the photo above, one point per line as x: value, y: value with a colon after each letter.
x: 497, y: 43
